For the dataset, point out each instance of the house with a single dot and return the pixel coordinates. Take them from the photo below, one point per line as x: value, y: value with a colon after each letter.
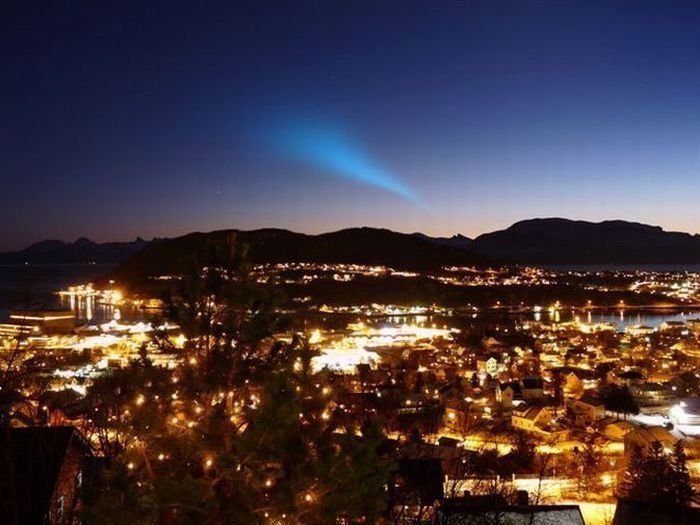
x: 457, y: 418
x: 40, y: 474
x: 617, y: 430
x: 586, y: 410
x: 528, y: 417
x: 538, y: 420
x: 686, y: 412
x: 642, y: 437
x: 574, y: 381
x: 573, y: 385
x: 650, y: 394
x: 490, y: 363
x: 506, y: 393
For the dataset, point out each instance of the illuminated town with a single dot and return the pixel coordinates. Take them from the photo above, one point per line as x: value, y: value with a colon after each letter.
x: 545, y: 400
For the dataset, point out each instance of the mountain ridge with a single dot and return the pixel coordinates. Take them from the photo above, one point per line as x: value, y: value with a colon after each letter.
x: 544, y: 241
x: 566, y: 241
x: 81, y: 251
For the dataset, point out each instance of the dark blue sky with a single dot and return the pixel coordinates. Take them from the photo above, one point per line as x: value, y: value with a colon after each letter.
x: 121, y: 120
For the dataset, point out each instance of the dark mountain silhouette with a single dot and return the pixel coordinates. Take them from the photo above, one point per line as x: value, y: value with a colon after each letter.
x: 368, y: 246
x: 564, y: 241
x: 456, y: 241
x: 536, y: 241
x: 82, y: 251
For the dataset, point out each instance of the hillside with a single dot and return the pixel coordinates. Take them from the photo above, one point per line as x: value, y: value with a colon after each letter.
x: 563, y: 241
x: 368, y: 246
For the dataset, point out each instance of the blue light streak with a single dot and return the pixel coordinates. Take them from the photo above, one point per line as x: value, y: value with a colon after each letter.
x: 332, y: 150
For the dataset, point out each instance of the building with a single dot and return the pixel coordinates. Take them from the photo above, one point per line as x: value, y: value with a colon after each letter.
x: 15, y: 331
x: 528, y: 417
x: 651, y: 393
x: 617, y: 430
x: 639, y: 330
x: 538, y: 420
x: 43, y: 469
x: 48, y: 321
x: 506, y: 393
x: 676, y: 327
x: 490, y: 364
x: 642, y: 437
x: 586, y: 410
x: 457, y: 418
x: 573, y: 384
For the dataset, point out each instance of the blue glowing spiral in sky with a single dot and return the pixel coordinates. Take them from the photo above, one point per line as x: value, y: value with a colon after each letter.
x: 336, y: 153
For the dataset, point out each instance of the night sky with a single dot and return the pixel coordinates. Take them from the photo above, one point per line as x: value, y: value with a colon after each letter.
x: 120, y: 120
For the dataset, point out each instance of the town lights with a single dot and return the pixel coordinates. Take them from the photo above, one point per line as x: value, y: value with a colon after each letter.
x: 315, y: 337
x: 678, y: 413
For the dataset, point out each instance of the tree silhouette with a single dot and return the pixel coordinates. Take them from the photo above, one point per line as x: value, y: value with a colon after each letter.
x: 619, y: 399
x: 587, y: 461
x: 242, y: 430
x: 656, y: 477
x: 682, y: 488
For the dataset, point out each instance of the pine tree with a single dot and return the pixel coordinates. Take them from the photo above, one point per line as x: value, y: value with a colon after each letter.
x: 657, y: 467
x: 656, y: 477
x: 631, y: 480
x: 522, y: 455
x: 588, y: 466
x: 681, y: 486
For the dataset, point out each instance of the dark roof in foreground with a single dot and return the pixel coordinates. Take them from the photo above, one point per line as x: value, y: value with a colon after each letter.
x: 491, y: 509
x: 30, y: 463
x: 637, y: 512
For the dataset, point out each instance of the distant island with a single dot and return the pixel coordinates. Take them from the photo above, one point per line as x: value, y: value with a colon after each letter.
x: 82, y: 251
